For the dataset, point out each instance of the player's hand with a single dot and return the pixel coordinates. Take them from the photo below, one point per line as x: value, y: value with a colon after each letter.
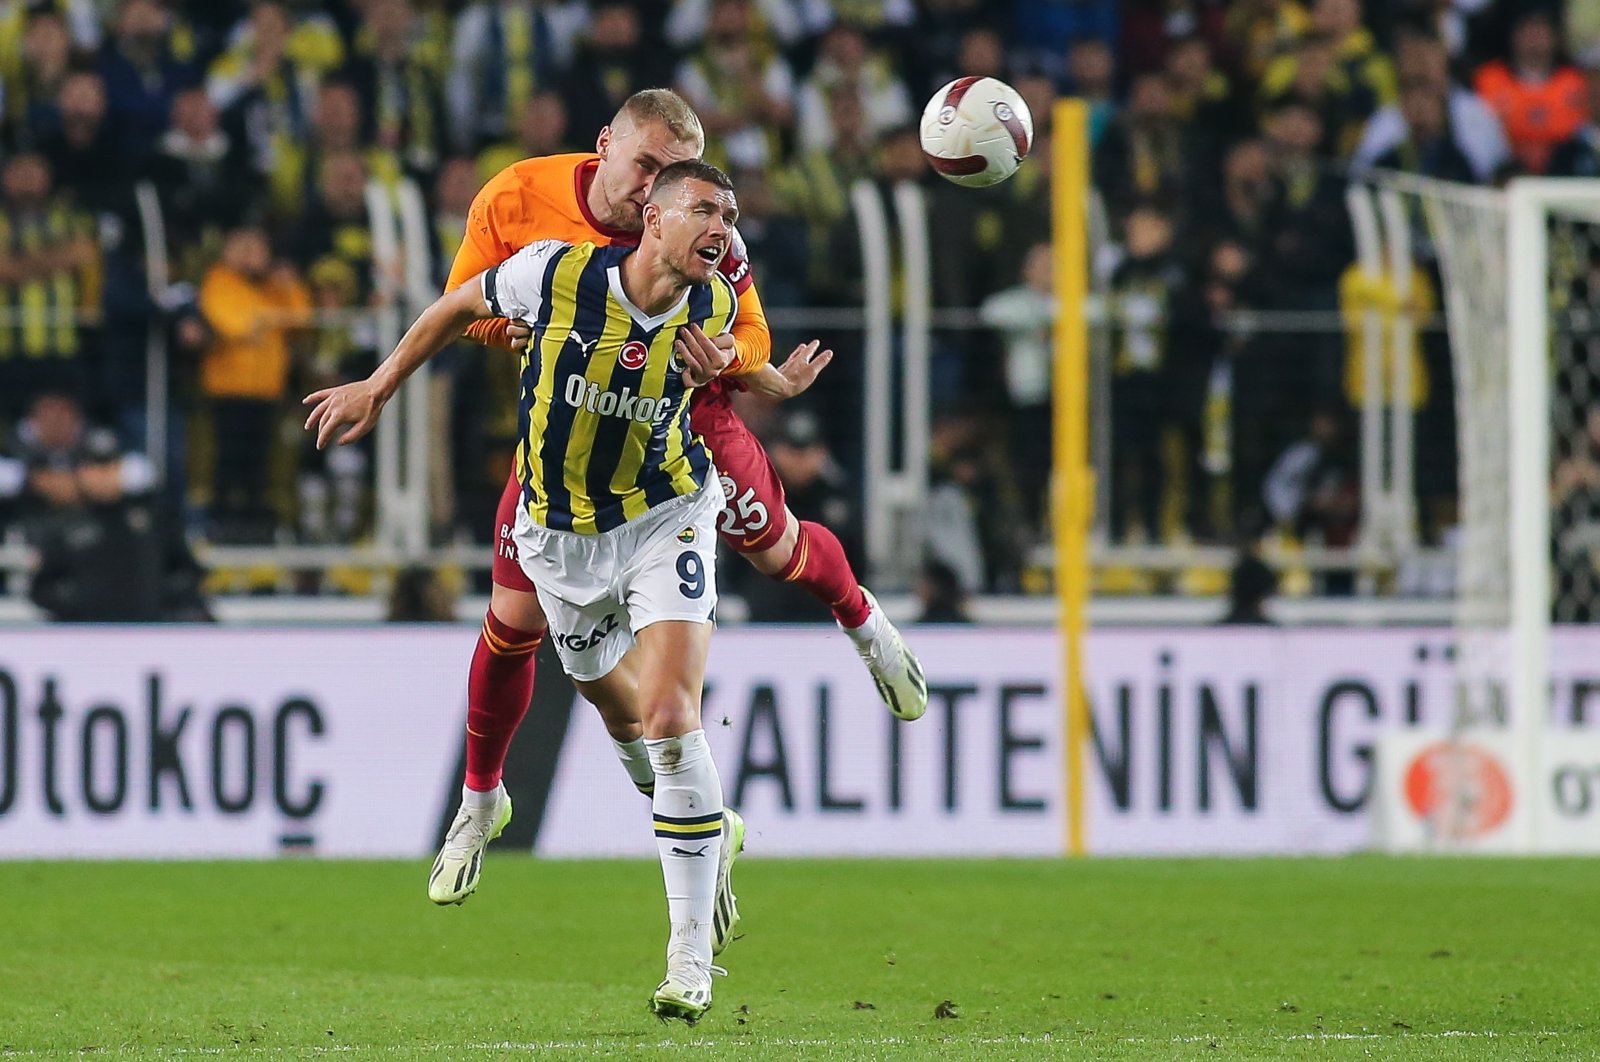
x: 519, y: 332
x: 703, y: 358
x: 800, y: 369
x: 356, y: 404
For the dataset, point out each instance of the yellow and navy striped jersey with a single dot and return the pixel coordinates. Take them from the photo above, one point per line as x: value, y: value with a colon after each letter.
x: 603, y: 419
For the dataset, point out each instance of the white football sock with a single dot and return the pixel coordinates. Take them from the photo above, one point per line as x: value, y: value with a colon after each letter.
x: 478, y: 801
x: 636, y: 761
x: 687, y: 808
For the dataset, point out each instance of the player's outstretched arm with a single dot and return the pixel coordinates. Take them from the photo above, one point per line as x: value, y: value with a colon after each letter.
x: 794, y: 377
x: 359, y: 403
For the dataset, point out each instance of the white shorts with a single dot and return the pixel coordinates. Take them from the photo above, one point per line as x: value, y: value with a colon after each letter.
x: 599, y: 591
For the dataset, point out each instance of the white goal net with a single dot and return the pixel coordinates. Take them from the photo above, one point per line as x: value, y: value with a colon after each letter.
x: 1520, y: 269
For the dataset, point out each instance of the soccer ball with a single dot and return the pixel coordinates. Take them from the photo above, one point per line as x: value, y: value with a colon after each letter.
x: 976, y: 131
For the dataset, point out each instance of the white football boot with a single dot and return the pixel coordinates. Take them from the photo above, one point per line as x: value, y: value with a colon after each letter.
x: 725, y: 918
x: 685, y: 993
x: 460, y: 862
x: 895, y: 669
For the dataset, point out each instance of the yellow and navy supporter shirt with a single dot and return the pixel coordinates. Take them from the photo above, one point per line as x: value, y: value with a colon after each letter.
x: 603, y: 419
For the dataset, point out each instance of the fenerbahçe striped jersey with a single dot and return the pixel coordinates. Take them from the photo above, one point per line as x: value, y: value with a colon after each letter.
x: 603, y: 419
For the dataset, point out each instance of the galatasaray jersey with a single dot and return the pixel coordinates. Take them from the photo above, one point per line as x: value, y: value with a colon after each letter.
x: 603, y: 420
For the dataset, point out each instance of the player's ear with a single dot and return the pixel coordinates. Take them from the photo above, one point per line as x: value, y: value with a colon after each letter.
x: 602, y: 141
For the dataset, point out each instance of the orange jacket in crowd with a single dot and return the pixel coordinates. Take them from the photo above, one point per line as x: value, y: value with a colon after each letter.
x: 251, y: 320
x: 1537, y: 115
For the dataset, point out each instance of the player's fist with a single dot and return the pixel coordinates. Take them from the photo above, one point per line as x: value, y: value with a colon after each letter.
x: 703, y: 358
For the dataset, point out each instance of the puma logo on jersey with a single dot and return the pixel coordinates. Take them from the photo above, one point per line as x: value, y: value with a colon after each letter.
x: 588, y: 347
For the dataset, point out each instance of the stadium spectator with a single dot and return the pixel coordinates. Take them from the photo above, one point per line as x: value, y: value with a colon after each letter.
x: 401, y: 101
x: 1045, y: 31
x: 1311, y: 76
x: 1251, y: 584
x: 1313, y: 490
x: 82, y: 151
x: 47, y: 445
x: 251, y: 306
x: 880, y: 18
x: 418, y: 595
x: 741, y: 95
x: 816, y: 185
x: 1307, y: 230
x: 1144, y: 428
x: 612, y: 63
x: 50, y: 268
x: 335, y: 131
x: 1579, y: 155
x: 1202, y: 95
x: 1474, y: 128
x: 1024, y: 316
x: 784, y: 23
x: 264, y: 91
x: 31, y: 88
x: 1367, y: 70
x: 817, y: 489
x: 111, y: 555
x: 1142, y: 154
x: 953, y: 520
x: 330, y: 485
x: 847, y: 63
x: 142, y: 74
x: 940, y: 595
x: 1429, y: 148
x: 204, y: 182
x: 1091, y: 72
x: 1259, y: 31
x: 1575, y: 522
x: 1540, y: 100
x: 543, y: 129
x: 505, y: 51
x: 335, y: 222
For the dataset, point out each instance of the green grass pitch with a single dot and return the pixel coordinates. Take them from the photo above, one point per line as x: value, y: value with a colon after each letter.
x: 1364, y: 957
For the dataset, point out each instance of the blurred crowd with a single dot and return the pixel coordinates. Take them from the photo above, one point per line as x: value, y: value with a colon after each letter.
x: 1223, y: 133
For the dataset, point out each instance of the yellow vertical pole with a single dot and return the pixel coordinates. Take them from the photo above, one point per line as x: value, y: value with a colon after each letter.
x: 1072, y: 493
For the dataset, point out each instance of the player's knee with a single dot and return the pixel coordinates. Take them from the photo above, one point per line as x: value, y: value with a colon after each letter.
x: 517, y: 608
x: 669, y: 715
x: 623, y: 730
x: 775, y: 558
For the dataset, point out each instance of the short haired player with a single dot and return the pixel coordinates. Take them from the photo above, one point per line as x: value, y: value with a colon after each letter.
x: 616, y: 526
x: 599, y: 197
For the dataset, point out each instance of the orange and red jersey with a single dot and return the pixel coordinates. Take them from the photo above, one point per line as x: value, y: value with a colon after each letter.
x: 546, y: 199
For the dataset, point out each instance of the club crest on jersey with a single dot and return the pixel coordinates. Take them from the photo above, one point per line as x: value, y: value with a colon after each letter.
x: 686, y: 536
x: 634, y: 354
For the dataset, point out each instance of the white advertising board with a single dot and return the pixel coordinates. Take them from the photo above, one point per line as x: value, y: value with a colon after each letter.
x: 1467, y: 794
x: 162, y: 742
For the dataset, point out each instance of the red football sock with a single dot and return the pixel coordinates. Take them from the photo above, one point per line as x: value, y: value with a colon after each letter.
x: 499, y: 689
x: 819, y: 565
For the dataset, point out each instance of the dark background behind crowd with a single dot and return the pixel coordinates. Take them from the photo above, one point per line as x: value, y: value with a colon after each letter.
x: 1224, y: 134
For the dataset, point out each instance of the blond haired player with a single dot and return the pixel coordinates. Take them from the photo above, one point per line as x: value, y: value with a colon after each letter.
x: 600, y: 197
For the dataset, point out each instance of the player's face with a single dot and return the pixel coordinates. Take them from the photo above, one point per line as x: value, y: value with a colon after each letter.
x: 630, y: 157
x: 694, y: 227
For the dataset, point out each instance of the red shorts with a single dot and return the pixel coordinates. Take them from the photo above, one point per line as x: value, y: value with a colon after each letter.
x: 754, y: 520
x: 755, y: 517
x: 506, y: 571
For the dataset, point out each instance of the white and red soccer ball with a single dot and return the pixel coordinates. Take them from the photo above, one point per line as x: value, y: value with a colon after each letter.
x: 976, y: 131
